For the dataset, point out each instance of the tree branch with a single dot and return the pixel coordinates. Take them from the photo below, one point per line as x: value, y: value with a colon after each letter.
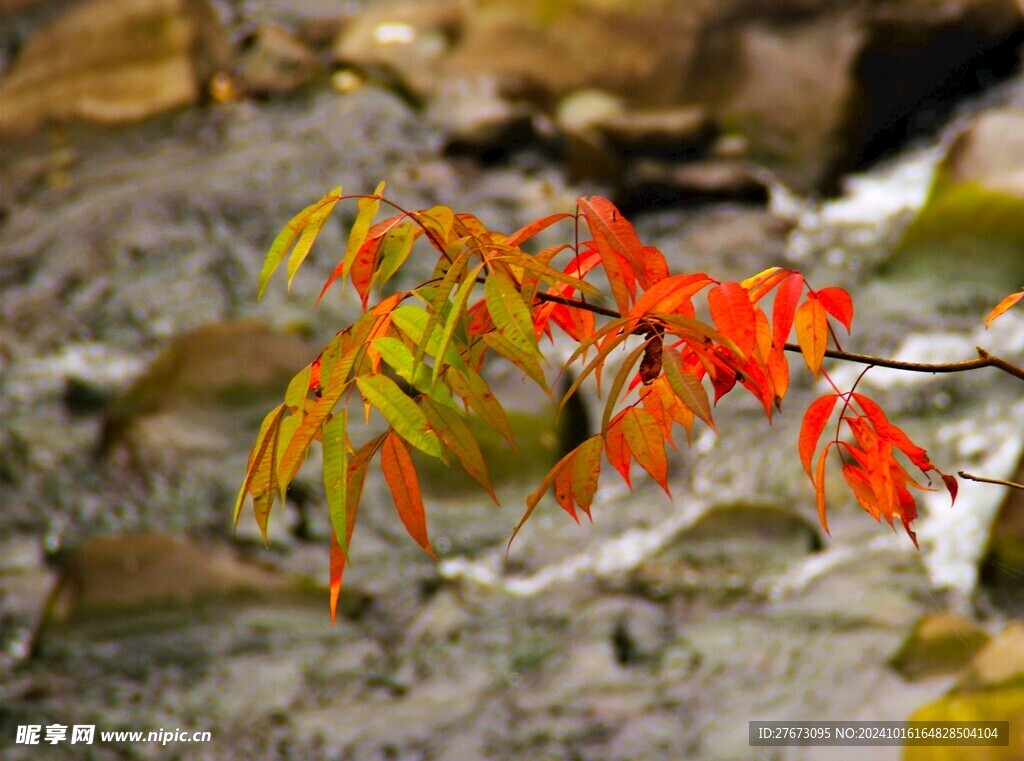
x: 984, y: 358
x: 996, y: 481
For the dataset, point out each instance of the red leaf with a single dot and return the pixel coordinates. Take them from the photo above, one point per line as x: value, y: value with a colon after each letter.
x: 784, y: 309
x: 1003, y: 306
x: 951, y: 486
x: 733, y: 315
x: 812, y: 333
x: 405, y: 488
x: 837, y: 303
x: 815, y: 420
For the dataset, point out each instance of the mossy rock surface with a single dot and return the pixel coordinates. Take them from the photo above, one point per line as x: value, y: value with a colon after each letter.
x: 940, y: 643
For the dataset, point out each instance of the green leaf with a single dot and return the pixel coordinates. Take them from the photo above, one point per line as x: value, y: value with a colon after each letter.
x: 336, y: 363
x: 399, y: 358
x: 335, y: 474
x: 437, y: 299
x: 455, y: 314
x: 289, y: 426
x: 509, y: 313
x: 412, y: 321
x: 288, y: 236
x: 401, y: 412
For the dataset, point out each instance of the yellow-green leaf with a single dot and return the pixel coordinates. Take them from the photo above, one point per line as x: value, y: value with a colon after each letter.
x: 298, y: 390
x: 509, y: 313
x: 437, y: 222
x: 395, y: 249
x: 400, y: 359
x: 401, y: 412
x: 289, y: 235
x: 687, y: 387
x: 335, y: 474
x: 458, y: 309
x: 258, y: 457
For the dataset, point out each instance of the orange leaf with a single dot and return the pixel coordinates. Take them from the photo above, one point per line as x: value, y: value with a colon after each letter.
x: 646, y: 442
x: 526, y: 232
x: 837, y: 303
x: 814, y: 422
x: 616, y: 449
x: 786, y: 299
x: 405, y: 488
x: 570, y: 485
x: 812, y: 333
x: 778, y: 371
x: 733, y: 315
x: 655, y: 266
x: 669, y: 294
x: 1003, y: 306
x: 764, y: 334
x: 362, y: 268
x: 577, y: 481
x: 614, y: 230
x: 858, y: 482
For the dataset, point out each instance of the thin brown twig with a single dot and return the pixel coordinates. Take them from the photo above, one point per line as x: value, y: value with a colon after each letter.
x: 996, y: 481
x: 985, y: 359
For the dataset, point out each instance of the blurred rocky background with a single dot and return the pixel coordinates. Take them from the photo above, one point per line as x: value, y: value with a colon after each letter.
x: 151, y: 149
